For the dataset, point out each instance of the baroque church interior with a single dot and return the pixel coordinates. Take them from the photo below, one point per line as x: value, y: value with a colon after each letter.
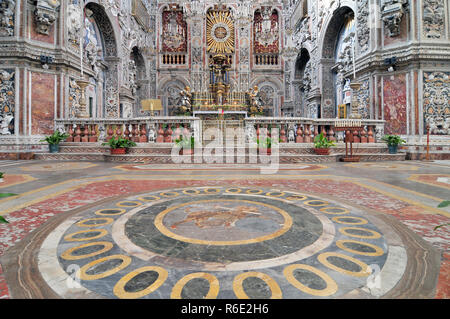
x: 164, y: 222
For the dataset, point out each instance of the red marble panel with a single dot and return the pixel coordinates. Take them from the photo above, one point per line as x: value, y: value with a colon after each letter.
x: 394, y: 103
x: 42, y: 103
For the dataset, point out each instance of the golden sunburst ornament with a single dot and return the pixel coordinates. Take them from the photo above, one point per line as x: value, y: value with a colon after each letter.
x: 220, y: 32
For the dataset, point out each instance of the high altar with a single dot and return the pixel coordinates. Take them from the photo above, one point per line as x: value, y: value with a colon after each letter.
x: 229, y: 52
x: 220, y: 102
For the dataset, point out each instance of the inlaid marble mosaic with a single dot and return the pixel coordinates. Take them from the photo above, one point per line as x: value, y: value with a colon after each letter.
x: 215, y: 242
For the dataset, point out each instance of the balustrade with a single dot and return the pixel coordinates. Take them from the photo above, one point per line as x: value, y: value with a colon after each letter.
x: 266, y: 59
x: 168, y: 129
x: 142, y: 130
x: 303, y: 130
x: 174, y: 59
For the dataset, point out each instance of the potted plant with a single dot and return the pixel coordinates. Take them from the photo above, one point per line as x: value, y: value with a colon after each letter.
x: 54, y: 140
x: 393, y: 141
x: 187, y: 145
x: 322, y: 145
x: 119, y: 145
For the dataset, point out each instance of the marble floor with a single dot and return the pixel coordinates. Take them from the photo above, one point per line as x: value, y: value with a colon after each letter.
x: 341, y: 231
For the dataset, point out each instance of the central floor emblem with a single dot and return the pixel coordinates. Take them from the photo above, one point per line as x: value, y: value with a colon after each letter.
x: 220, y: 216
x: 226, y: 243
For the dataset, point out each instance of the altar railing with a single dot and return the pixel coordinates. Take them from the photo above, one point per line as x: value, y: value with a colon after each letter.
x: 139, y: 130
x: 304, y: 130
x: 167, y: 129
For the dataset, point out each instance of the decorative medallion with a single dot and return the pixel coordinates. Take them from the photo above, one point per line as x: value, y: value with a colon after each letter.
x: 218, y: 242
x: 220, y: 32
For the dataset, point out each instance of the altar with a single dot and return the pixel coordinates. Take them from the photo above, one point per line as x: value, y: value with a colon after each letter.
x: 220, y: 101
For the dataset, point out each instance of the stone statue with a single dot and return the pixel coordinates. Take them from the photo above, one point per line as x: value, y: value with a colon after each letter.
x: 250, y: 133
x: 291, y: 135
x: 5, y: 125
x: 152, y: 133
x: 255, y: 100
x: 92, y: 48
x: 186, y: 97
x: 45, y: 15
x: 132, y: 76
x: 74, y: 23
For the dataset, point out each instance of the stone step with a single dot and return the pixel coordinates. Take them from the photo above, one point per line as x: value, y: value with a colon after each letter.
x: 167, y: 159
x: 166, y: 149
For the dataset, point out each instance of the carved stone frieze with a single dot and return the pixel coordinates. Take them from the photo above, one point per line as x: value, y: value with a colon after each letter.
x: 434, y: 19
x: 74, y: 23
x: 392, y: 12
x: 7, y: 21
x: 7, y: 98
x: 45, y: 15
x: 363, y: 25
x: 436, y: 94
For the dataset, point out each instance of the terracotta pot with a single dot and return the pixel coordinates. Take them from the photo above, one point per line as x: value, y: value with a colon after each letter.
x: 265, y: 151
x: 118, y: 151
x: 322, y: 151
x: 186, y: 151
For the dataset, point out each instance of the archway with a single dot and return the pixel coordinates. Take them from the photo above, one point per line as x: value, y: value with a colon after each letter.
x: 137, y: 79
x: 270, y: 95
x: 330, y: 65
x: 302, y: 83
x: 106, y: 66
x: 170, y: 95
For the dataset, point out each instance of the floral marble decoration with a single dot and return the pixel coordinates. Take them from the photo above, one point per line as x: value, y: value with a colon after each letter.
x: 7, y: 101
x: 436, y: 101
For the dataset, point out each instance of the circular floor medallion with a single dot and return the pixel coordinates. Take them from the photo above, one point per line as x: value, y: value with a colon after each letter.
x: 220, y: 242
x: 211, y: 222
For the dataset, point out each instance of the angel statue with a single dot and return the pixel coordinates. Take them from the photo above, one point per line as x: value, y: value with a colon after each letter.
x: 255, y: 101
x: 186, y: 97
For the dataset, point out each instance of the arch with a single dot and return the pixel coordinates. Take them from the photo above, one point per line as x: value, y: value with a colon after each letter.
x: 170, y: 93
x: 138, y: 78
x: 332, y: 26
x: 328, y: 41
x: 275, y: 82
x: 300, y: 64
x: 110, y: 37
x: 107, y: 25
x: 268, y: 85
x: 302, y: 82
